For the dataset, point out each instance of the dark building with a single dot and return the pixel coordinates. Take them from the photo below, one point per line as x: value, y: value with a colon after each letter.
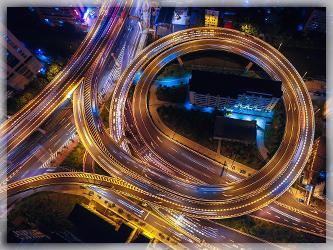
x: 59, y: 15
x: 165, y: 15
x: 94, y: 229
x: 27, y: 236
x: 235, y: 130
x: 66, y: 241
x: 141, y: 243
x: 18, y: 65
x: 316, y: 22
x: 229, y: 92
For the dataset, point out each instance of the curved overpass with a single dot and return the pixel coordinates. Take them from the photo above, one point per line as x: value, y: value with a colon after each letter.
x: 243, y: 196
x: 104, y: 31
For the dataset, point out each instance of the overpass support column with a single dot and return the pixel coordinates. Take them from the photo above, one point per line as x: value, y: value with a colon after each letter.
x: 42, y: 131
x: 134, y: 17
x: 115, y: 60
x: 180, y: 61
x: 121, y: 140
x: 248, y: 67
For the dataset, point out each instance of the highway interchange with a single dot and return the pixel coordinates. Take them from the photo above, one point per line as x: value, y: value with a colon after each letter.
x: 121, y: 156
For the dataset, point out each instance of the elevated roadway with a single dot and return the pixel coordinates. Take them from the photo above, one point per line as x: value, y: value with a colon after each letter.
x: 104, y: 31
x: 241, y: 197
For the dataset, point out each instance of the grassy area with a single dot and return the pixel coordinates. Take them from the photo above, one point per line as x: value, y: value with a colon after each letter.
x: 319, y: 203
x: 269, y: 231
x: 75, y: 158
x: 175, y: 93
x: 48, y: 209
x: 199, y: 127
x: 247, y: 154
x: 99, y: 170
x: 174, y: 70
x: 105, y: 112
x: 131, y: 93
x: 274, y: 132
x: 133, y: 153
x: 194, y: 125
x: 318, y: 106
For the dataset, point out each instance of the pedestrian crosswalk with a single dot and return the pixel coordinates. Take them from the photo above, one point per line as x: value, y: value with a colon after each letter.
x: 53, y: 156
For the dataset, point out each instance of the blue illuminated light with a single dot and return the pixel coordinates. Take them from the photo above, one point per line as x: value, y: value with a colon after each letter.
x: 61, y: 22
x: 46, y: 19
x: 207, y: 109
x: 300, y: 27
x: 57, y: 8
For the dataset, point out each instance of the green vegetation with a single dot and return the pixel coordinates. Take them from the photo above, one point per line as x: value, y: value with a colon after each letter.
x: 194, y: 125
x: 249, y: 29
x: 75, y: 158
x: 199, y: 127
x: 133, y: 153
x: 274, y: 132
x: 318, y: 107
x: 20, y: 99
x: 319, y: 203
x: 247, y: 154
x: 48, y: 210
x: 175, y: 93
x: 269, y: 231
x: 99, y: 170
x: 105, y: 112
x: 174, y: 71
x: 131, y: 93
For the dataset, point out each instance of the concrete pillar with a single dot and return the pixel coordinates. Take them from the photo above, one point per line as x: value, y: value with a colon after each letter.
x: 180, y: 61
x: 115, y: 60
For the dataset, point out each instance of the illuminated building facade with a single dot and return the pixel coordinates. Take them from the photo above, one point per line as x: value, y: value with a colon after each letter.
x: 212, y: 13
x: 20, y: 66
x: 230, y: 92
x: 211, y: 18
x: 59, y: 15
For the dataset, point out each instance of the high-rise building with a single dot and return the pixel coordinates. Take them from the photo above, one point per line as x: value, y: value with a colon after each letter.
x: 316, y: 22
x: 212, y: 13
x: 17, y: 65
x: 211, y: 18
x: 57, y: 16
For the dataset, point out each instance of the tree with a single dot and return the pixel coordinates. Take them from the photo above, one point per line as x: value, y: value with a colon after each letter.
x: 52, y: 71
x: 249, y: 29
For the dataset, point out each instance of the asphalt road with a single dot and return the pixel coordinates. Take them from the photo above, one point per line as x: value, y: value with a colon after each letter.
x: 251, y: 187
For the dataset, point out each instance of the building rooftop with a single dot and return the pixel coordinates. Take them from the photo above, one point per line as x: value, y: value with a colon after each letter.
x: 203, y: 82
x: 93, y: 227
x: 165, y: 15
x: 235, y: 130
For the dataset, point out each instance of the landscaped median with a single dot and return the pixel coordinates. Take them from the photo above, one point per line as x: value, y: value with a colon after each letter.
x: 269, y: 231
